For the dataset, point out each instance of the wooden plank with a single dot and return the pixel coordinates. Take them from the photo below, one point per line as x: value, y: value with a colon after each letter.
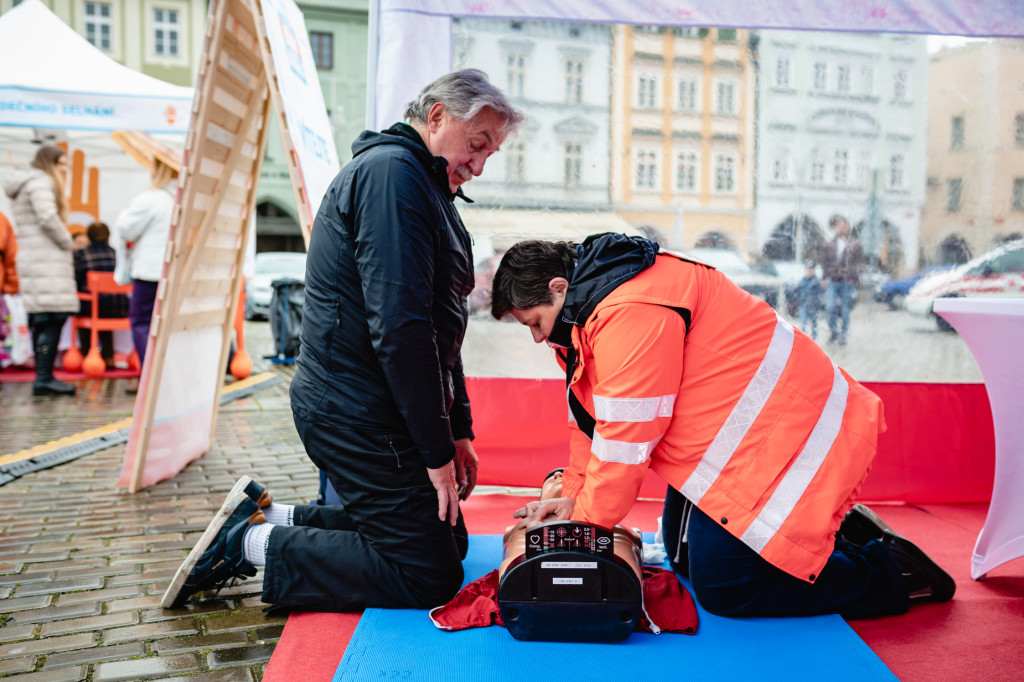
x: 198, y: 320
x: 200, y: 288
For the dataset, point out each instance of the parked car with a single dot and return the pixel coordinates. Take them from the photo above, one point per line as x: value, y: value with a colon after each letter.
x: 893, y: 291
x: 998, y: 273
x: 270, y: 265
x: 765, y: 286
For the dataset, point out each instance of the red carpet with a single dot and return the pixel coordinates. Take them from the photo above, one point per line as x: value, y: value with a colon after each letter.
x: 977, y: 636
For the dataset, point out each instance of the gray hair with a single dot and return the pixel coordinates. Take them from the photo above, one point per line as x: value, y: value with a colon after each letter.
x: 464, y: 94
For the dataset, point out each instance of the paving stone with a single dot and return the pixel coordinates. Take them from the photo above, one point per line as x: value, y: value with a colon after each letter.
x: 26, y: 578
x: 13, y: 633
x: 201, y: 642
x: 49, y: 645
x: 171, y: 628
x: 22, y: 603
x: 113, y: 593
x: 96, y: 654
x: 61, y: 675
x: 117, y: 605
x: 51, y: 614
x: 269, y: 632
x: 142, y: 668
x: 86, y: 624
x: 101, y: 571
x: 241, y: 656
x: 141, y: 578
x: 69, y: 585
x: 225, y: 675
x: 189, y: 608
x: 7, y: 567
x: 239, y: 621
x: 23, y: 664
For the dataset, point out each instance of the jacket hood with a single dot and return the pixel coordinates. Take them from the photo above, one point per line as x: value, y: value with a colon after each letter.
x: 17, y: 179
x: 603, y: 262
x: 405, y: 135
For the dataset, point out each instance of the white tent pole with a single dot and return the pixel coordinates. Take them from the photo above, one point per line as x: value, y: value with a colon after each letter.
x: 372, y: 48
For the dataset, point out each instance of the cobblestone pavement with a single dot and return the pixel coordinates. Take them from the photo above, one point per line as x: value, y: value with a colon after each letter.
x: 83, y: 563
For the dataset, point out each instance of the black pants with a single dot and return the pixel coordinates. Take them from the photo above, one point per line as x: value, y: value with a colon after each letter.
x: 731, y: 579
x: 385, y: 547
x: 46, y: 329
x: 106, y: 340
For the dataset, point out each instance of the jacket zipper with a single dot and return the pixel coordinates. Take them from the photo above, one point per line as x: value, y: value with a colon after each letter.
x: 392, y: 446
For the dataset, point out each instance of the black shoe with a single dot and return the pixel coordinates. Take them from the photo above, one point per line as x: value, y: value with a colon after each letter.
x: 53, y: 387
x: 925, y: 579
x: 256, y: 492
x: 218, y: 556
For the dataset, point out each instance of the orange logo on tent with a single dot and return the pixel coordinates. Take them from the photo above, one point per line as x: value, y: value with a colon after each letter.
x: 170, y: 114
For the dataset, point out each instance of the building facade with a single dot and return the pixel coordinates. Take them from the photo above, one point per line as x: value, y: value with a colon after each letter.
x: 683, y: 134
x: 841, y: 131
x: 975, y: 177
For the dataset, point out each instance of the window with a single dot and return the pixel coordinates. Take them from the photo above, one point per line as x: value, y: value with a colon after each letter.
x: 515, y: 161
x: 165, y: 32
x: 1017, y: 199
x: 817, y: 171
x: 725, y: 98
x: 780, y: 169
x: 896, y: 171
x: 843, y: 79
x: 98, y: 24
x: 783, y: 70
x: 820, y: 76
x: 956, y: 137
x: 646, y: 169
x: 573, y: 81
x: 686, y: 172
x: 515, y: 70
x: 688, y: 32
x: 725, y: 173
x: 956, y: 186
x: 1018, y: 130
x: 840, y: 167
x: 727, y: 35
x: 687, y: 94
x: 573, y: 163
x: 323, y: 49
x: 648, y: 29
x: 867, y: 79
x: 646, y: 92
x: 899, y: 86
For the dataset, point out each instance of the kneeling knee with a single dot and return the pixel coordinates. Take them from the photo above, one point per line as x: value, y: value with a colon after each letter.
x: 436, y: 588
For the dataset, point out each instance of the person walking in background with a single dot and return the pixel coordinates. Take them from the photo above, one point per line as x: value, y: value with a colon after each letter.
x: 146, y: 224
x: 808, y: 301
x: 99, y: 257
x: 8, y: 257
x: 45, y: 267
x: 842, y: 263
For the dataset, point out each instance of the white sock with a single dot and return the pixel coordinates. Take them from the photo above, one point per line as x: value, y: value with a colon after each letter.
x: 255, y: 543
x: 280, y: 514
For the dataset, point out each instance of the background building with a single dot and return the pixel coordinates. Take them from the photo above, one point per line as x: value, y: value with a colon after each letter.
x: 975, y: 148
x: 683, y: 134
x: 841, y: 122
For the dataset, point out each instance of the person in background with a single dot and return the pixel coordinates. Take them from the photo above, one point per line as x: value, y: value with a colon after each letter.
x: 843, y: 260
x: 79, y: 237
x: 45, y: 267
x: 808, y: 301
x: 8, y: 274
x: 146, y: 224
x: 99, y: 257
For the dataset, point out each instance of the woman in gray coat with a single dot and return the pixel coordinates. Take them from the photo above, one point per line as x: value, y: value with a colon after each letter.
x: 45, y: 263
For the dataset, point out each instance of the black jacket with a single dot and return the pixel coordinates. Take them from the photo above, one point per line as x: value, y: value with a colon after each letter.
x: 388, y: 274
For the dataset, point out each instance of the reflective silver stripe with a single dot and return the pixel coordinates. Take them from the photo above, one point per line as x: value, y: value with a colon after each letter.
x: 633, y: 409
x: 743, y: 414
x: 795, y: 482
x: 622, y: 452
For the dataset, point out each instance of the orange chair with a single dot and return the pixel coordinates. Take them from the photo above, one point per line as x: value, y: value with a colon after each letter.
x: 93, y: 364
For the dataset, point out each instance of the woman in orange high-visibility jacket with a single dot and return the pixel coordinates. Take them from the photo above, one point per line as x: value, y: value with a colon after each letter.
x: 762, y: 440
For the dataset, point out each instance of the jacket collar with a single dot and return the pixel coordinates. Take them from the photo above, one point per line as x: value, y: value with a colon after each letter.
x: 438, y: 165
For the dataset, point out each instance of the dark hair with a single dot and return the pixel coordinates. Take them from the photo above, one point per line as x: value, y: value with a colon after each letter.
x: 525, y: 271
x: 464, y: 94
x: 98, y: 233
x: 836, y: 219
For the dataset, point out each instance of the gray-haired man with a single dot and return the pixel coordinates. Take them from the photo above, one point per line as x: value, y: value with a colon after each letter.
x: 379, y: 396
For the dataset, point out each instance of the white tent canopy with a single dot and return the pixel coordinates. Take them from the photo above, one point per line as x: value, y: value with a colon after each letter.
x: 53, y: 78
x: 410, y: 40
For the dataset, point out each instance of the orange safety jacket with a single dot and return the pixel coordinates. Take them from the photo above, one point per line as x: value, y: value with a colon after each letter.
x: 688, y: 375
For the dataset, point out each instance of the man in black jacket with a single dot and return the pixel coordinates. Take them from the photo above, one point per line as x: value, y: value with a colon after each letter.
x: 379, y: 396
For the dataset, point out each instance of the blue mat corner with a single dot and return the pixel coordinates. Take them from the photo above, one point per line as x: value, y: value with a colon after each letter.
x: 405, y: 645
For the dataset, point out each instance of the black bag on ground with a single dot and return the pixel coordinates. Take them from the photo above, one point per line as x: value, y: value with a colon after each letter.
x: 286, y: 317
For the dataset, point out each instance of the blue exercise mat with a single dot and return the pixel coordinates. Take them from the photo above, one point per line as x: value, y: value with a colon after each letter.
x: 405, y: 645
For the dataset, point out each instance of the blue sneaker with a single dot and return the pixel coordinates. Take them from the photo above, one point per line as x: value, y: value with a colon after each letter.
x: 218, y: 556
x: 256, y: 492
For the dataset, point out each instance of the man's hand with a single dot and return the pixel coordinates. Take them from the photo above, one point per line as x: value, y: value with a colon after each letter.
x: 466, y: 465
x: 555, y: 509
x: 447, y: 496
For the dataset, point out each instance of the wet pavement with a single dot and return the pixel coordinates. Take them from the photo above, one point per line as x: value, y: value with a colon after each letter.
x: 83, y: 563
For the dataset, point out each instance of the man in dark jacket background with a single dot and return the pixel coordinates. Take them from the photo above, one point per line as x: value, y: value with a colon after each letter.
x: 379, y: 396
